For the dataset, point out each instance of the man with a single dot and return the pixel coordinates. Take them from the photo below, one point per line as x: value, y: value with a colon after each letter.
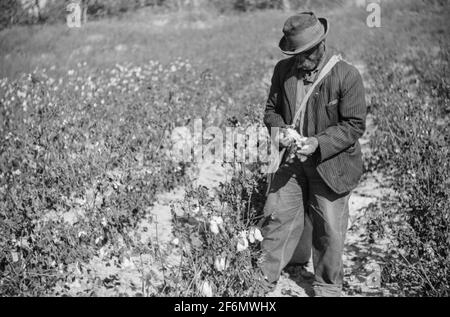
x: 307, y: 204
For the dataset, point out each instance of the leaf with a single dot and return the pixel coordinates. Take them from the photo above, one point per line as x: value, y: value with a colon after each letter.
x: 195, y: 241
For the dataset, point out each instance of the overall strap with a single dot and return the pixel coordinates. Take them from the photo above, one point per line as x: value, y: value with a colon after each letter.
x: 325, y: 70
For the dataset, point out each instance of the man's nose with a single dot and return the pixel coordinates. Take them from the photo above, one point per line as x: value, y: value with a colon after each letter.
x: 300, y: 58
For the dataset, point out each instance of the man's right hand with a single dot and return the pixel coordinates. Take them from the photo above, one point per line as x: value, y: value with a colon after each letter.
x: 284, y: 141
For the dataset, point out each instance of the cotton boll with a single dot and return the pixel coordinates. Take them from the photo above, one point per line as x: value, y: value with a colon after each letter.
x: 217, y: 219
x: 295, y: 136
x: 213, y: 227
x: 254, y: 235
x: 206, y: 289
x: 216, y: 224
x: 251, y: 237
x: 220, y: 263
x: 175, y: 241
x: 242, y: 241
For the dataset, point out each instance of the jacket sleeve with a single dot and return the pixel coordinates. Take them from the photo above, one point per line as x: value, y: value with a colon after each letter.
x: 352, y: 117
x: 272, y: 116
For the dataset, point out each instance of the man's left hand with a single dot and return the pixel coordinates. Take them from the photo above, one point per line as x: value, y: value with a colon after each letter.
x: 309, y: 146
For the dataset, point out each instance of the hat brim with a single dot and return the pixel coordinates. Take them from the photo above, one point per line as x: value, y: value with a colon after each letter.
x: 284, y: 45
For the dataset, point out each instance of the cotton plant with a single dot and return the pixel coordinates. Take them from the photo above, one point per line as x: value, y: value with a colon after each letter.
x: 219, y: 243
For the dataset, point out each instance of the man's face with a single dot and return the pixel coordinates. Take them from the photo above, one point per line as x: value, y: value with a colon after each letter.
x: 308, y: 60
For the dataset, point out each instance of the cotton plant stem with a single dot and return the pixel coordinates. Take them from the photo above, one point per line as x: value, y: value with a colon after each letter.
x: 424, y: 278
x: 159, y: 252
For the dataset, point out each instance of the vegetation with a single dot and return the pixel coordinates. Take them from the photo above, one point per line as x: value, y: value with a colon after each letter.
x: 220, y: 239
x: 411, y: 105
x: 85, y: 117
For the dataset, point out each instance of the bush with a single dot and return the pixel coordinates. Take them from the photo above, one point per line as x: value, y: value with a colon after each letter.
x: 219, y: 239
x: 410, y: 104
x: 81, y: 160
x: 8, y: 13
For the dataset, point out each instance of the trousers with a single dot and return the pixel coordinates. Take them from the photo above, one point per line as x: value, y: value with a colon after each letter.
x: 303, y: 215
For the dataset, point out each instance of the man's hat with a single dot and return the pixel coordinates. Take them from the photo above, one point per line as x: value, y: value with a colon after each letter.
x: 302, y: 32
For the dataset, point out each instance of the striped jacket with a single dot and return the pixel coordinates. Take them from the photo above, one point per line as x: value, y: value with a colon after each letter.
x: 335, y: 115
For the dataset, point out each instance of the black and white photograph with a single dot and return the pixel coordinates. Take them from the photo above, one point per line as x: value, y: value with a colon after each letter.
x: 243, y: 150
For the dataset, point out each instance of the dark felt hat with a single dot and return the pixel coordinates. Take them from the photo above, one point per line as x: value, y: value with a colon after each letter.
x: 302, y: 32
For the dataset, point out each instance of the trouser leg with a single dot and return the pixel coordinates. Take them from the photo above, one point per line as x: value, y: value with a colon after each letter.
x: 284, y: 224
x: 302, y: 253
x: 329, y: 214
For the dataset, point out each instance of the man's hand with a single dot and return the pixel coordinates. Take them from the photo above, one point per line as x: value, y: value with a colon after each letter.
x: 309, y: 147
x: 285, y: 141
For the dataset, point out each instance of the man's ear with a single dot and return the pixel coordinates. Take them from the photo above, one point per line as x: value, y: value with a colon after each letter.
x: 322, y: 44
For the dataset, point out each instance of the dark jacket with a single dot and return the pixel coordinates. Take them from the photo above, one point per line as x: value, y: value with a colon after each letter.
x: 335, y: 115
